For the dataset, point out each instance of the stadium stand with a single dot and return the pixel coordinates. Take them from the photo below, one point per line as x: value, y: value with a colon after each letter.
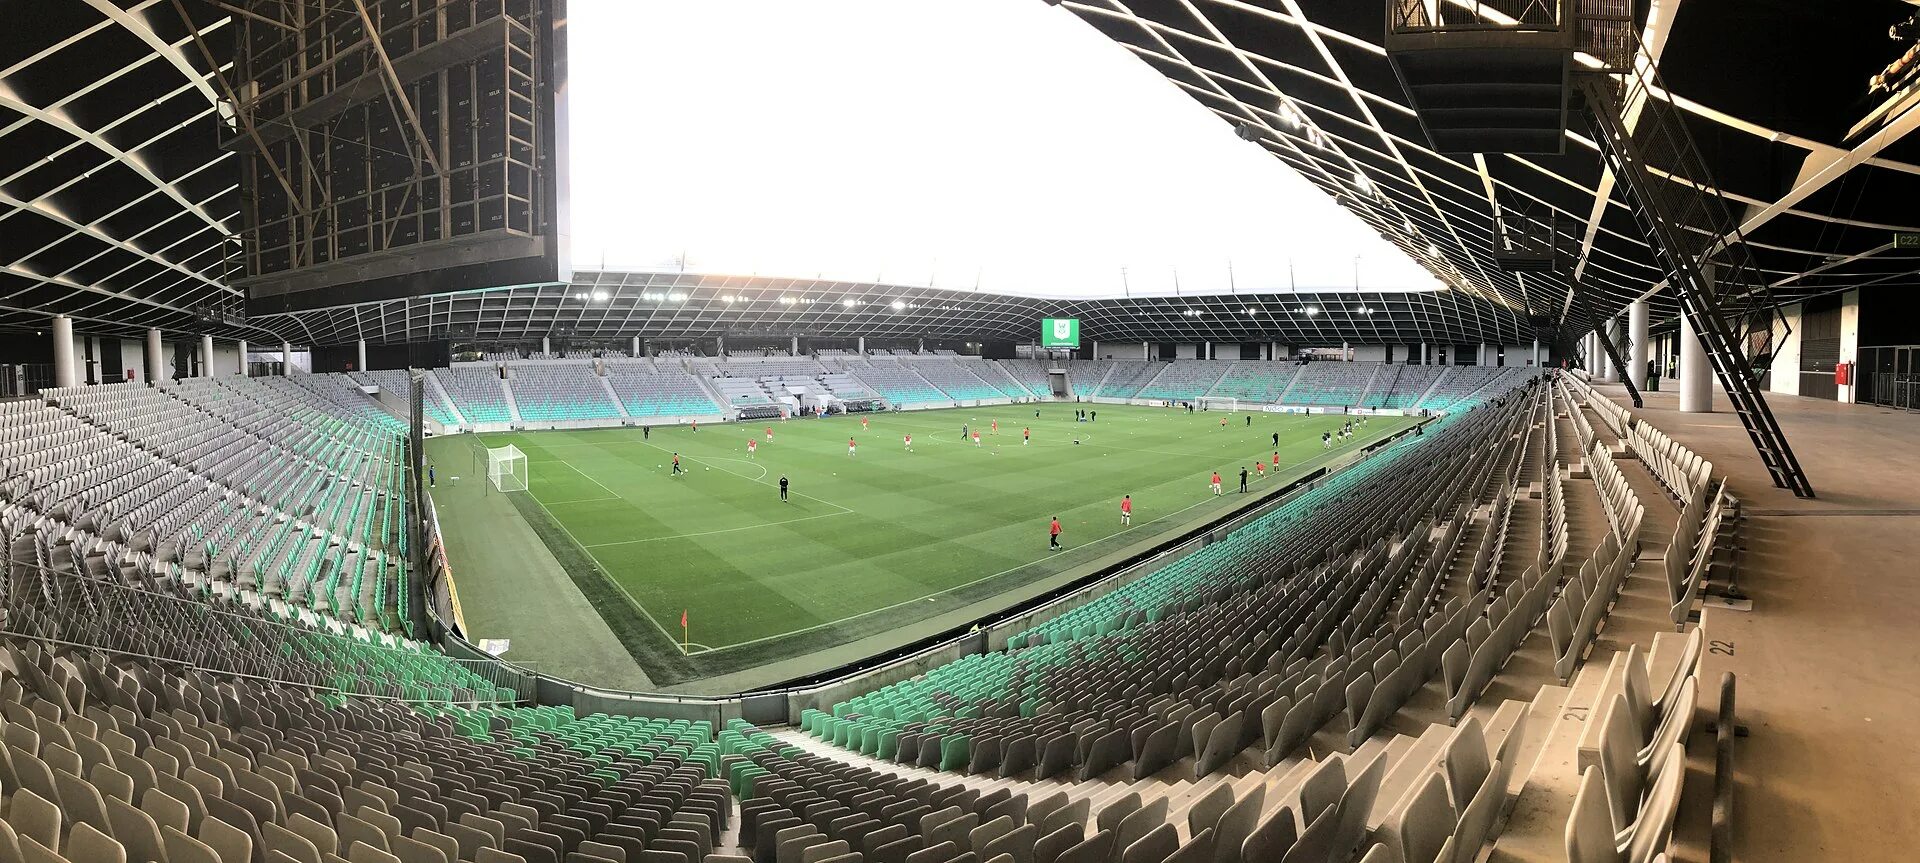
x: 668, y: 392
x: 955, y: 379
x: 476, y: 393
x: 1126, y: 378
x: 1031, y: 375
x: 1185, y: 380
x: 1257, y: 382
x: 1330, y: 384
x: 1314, y: 686
x: 1401, y: 387
x: 898, y: 384
x: 1458, y: 383
x: 395, y: 382
x: 560, y: 391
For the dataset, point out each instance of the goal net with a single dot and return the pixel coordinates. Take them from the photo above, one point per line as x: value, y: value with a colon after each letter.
x: 507, y: 468
x: 1219, y: 403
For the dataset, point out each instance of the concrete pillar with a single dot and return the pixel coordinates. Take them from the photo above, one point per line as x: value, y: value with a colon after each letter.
x: 1346, y: 353
x: 863, y: 346
x: 65, y: 374
x: 286, y: 358
x: 923, y: 346
x: 243, y: 358
x: 360, y: 355
x: 1638, y: 321
x: 636, y: 347
x: 1146, y: 350
x: 1696, y: 376
x: 1536, y: 353
x: 1425, y: 360
x: 720, y: 346
x: 206, y: 357
x: 1206, y: 350
x: 156, y: 371
x: 546, y: 346
x: 796, y: 346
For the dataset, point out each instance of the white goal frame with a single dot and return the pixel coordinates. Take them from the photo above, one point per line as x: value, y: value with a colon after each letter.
x: 507, y: 468
x: 1219, y: 403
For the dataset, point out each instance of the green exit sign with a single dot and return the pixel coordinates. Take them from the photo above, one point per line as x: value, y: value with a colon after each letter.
x: 1906, y: 241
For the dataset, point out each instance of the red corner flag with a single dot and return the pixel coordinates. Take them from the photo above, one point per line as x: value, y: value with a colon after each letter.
x: 685, y: 633
x: 683, y: 619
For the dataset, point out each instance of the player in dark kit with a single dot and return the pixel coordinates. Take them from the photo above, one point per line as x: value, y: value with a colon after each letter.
x: 1276, y: 439
x: 1243, y: 480
x: 783, y: 488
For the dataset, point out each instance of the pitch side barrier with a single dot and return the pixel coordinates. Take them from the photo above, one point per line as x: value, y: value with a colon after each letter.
x: 782, y: 703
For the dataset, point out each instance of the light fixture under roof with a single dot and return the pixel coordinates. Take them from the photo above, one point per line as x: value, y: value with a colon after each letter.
x: 899, y: 304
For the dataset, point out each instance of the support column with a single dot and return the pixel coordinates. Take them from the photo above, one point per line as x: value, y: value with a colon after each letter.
x: 155, y: 371
x: 360, y: 355
x: 1346, y: 353
x: 206, y: 356
x: 923, y: 346
x: 796, y: 346
x: 1096, y: 350
x: 720, y: 346
x: 1536, y: 353
x: 546, y: 346
x: 1425, y: 359
x: 286, y: 358
x: 243, y: 358
x: 1206, y: 350
x: 1637, y: 324
x: 863, y: 346
x: 1146, y: 350
x: 1696, y: 377
x: 64, y: 372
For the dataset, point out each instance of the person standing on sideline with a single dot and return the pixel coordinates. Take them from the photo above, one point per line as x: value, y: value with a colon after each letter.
x: 752, y: 445
x: 963, y: 433
x: 783, y: 488
x: 1093, y: 415
x: 1053, y: 533
x: 1216, y: 483
x: 1276, y: 440
x: 646, y: 432
x: 676, y: 465
x: 429, y: 474
x: 909, y: 443
x: 1126, y: 509
x: 850, y: 446
x: 1026, y: 436
x: 1243, y: 480
x: 1249, y: 420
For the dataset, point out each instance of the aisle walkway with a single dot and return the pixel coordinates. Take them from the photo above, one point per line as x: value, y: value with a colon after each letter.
x: 1827, y: 661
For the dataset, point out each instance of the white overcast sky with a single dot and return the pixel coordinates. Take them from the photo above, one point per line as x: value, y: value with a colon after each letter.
x: 998, y: 143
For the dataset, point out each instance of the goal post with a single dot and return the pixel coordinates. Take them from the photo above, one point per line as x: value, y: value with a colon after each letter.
x: 1219, y: 403
x: 507, y: 468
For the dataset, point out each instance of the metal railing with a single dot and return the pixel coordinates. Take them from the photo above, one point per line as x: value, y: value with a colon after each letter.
x: 1414, y: 15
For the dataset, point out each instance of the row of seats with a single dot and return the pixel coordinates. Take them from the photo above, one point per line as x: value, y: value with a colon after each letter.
x: 1331, y: 383
x: 1185, y: 381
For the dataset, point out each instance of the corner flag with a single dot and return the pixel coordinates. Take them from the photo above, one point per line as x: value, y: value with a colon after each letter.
x: 685, y: 645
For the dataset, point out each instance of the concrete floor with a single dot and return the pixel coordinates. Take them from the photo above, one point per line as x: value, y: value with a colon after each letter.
x: 1827, y: 662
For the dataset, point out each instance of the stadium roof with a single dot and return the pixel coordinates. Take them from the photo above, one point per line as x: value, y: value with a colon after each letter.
x: 619, y: 305
x: 1775, y: 94
x: 118, y: 207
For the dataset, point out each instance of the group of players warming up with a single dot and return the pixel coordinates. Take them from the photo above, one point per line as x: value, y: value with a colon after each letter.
x: 1347, y: 431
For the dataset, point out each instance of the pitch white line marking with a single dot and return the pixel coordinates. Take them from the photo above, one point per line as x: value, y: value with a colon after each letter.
x: 722, y: 530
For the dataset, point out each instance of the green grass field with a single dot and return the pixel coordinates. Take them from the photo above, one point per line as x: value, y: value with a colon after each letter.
x: 874, y: 540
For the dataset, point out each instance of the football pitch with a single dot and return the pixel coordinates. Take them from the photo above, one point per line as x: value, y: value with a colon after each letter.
x: 866, y: 541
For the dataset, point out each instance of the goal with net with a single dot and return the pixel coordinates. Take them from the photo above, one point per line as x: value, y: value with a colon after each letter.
x: 1219, y: 403
x: 507, y: 468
